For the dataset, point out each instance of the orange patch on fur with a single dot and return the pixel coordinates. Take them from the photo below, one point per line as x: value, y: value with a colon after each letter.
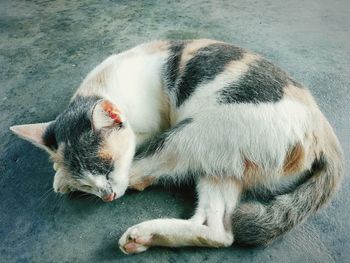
x: 157, y: 46
x: 294, y: 160
x: 250, y: 167
x: 140, y: 186
x: 251, y: 173
x: 105, y: 154
x: 301, y: 95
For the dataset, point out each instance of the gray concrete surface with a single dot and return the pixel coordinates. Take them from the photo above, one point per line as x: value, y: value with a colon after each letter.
x: 47, y: 47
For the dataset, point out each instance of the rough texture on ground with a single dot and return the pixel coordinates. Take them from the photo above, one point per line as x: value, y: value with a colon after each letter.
x: 47, y: 47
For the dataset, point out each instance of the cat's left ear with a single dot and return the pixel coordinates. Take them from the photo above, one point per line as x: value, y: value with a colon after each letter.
x: 106, y: 114
x: 34, y: 133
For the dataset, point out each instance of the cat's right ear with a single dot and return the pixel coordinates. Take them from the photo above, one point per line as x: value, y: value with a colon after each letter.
x: 36, y: 133
x: 105, y: 115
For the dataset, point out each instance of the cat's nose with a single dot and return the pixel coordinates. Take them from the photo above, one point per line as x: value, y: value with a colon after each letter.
x: 109, y: 198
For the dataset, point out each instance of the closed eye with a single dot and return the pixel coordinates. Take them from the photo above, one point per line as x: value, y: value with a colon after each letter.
x: 88, y: 187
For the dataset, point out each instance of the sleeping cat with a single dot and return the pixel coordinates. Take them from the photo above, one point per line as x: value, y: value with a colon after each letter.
x: 199, y: 110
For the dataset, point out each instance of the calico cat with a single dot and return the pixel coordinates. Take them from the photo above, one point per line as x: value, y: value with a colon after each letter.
x: 199, y: 110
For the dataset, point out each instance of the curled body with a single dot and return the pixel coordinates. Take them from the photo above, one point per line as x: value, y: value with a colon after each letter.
x: 199, y: 110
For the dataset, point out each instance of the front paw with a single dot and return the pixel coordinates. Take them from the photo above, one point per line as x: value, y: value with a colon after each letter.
x: 135, y: 240
x: 141, y: 183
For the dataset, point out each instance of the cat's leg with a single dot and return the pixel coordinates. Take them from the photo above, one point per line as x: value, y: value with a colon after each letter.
x: 209, y: 227
x: 139, y: 179
x: 144, y: 172
x: 159, y: 156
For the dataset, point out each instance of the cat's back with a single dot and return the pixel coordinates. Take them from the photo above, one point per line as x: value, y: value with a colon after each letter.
x: 240, y: 103
x: 232, y: 74
x: 233, y: 88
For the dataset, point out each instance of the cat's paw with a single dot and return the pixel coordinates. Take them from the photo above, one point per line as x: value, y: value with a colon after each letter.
x: 141, y: 183
x: 135, y: 240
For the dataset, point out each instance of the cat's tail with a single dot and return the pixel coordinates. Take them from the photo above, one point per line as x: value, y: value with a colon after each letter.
x: 255, y: 223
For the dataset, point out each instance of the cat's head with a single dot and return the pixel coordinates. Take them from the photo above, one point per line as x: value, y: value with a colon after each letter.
x: 91, y: 145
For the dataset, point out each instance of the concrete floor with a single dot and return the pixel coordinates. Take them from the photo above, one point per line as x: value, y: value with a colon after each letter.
x: 47, y: 47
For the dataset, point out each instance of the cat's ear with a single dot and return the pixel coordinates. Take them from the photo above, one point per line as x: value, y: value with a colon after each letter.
x: 34, y: 133
x: 106, y: 115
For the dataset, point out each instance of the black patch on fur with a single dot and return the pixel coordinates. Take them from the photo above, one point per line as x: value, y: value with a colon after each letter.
x: 319, y: 164
x: 263, y: 82
x: 82, y: 155
x: 73, y: 128
x: 49, y: 137
x: 157, y: 142
x: 207, y: 63
x: 75, y: 120
x: 173, y: 63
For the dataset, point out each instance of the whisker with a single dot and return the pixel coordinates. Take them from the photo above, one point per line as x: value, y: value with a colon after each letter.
x: 44, y: 197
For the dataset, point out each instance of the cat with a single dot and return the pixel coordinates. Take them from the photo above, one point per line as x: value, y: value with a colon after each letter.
x: 261, y: 154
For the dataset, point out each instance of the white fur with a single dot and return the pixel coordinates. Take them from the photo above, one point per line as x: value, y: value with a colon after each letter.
x: 135, y: 86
